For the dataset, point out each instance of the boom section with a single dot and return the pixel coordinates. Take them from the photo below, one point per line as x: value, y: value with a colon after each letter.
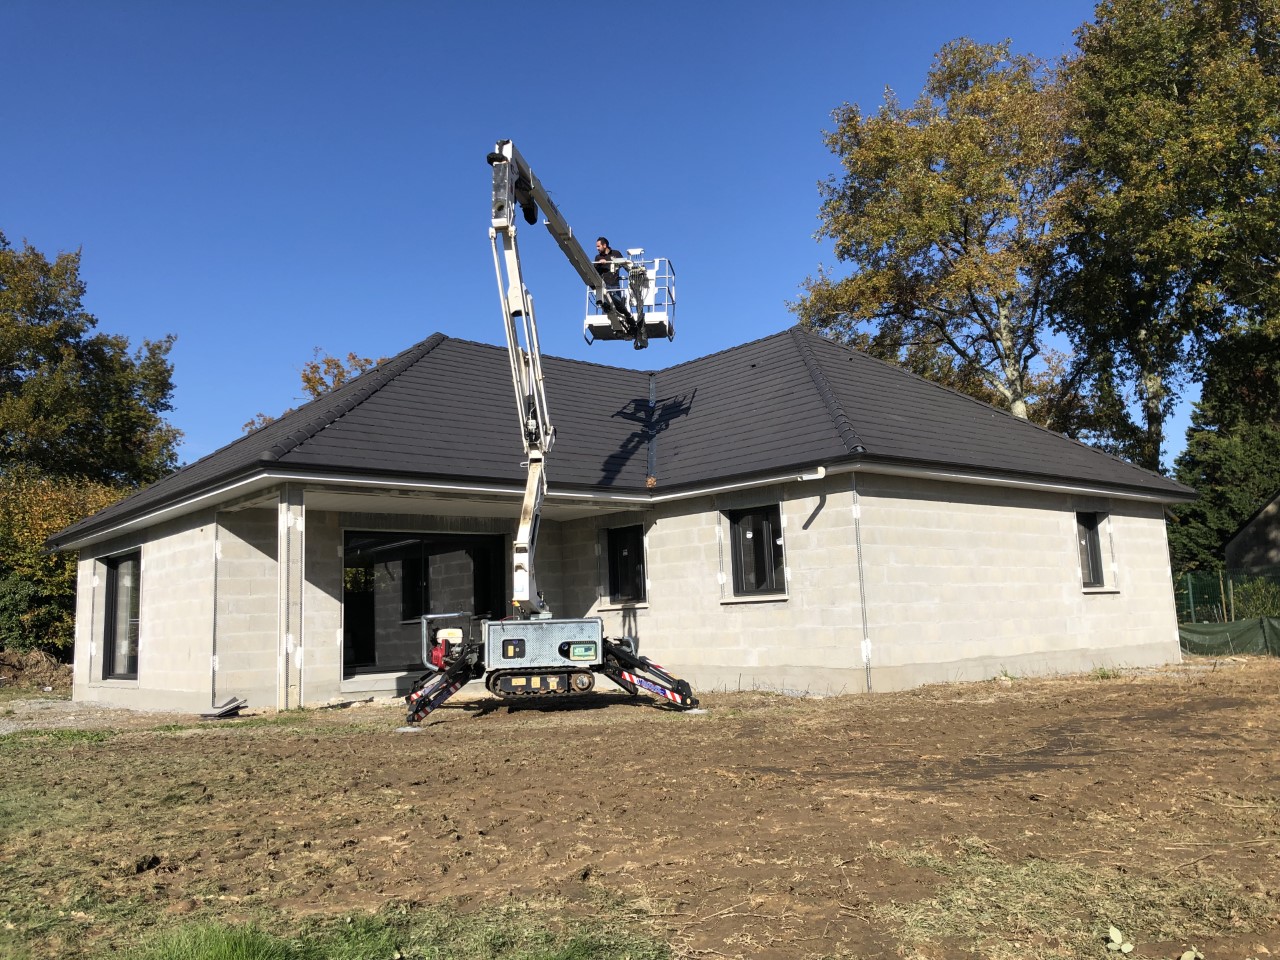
x: 519, y: 321
x: 525, y: 358
x: 516, y: 185
x: 527, y: 192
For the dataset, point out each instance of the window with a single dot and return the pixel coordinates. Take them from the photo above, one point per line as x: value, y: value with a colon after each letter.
x: 1088, y: 526
x: 625, y: 549
x: 120, y: 641
x: 391, y: 579
x: 756, y: 540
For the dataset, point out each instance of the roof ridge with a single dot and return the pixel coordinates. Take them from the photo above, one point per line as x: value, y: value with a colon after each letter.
x: 369, y: 383
x: 844, y: 426
x: 720, y: 353
x: 559, y: 359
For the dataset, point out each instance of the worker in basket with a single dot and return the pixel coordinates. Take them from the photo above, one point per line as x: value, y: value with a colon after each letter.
x: 608, y: 264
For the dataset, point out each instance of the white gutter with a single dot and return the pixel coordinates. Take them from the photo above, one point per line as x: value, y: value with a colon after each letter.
x: 269, y: 478
x: 247, y: 485
x: 986, y: 480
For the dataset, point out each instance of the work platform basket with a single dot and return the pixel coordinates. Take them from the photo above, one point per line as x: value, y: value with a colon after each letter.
x: 657, y: 303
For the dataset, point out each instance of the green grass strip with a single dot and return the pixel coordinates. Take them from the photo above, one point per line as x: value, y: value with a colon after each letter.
x: 513, y: 932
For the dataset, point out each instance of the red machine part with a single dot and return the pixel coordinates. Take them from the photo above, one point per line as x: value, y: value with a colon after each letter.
x: 446, y: 646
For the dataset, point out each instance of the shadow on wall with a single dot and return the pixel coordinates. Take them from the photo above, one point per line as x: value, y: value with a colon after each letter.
x: 631, y: 624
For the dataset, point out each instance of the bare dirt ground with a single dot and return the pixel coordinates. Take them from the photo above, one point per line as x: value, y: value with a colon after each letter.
x: 1012, y: 818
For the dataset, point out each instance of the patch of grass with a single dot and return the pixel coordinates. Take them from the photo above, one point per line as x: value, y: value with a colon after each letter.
x: 9, y: 692
x: 10, y: 948
x: 59, y: 929
x: 297, y: 717
x: 55, y: 735
x: 512, y: 932
x: 315, y: 722
x: 14, y: 810
x: 1104, y: 673
x: 1044, y: 909
x: 215, y: 942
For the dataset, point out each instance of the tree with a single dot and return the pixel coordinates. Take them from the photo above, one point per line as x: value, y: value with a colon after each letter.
x: 38, y: 588
x: 74, y: 403
x: 1230, y: 458
x: 320, y: 374
x: 81, y: 423
x: 323, y: 373
x: 944, y: 212
x: 1235, y: 471
x: 1172, y: 202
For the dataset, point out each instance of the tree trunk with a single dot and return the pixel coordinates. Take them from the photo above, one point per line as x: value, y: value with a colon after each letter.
x: 1153, y: 415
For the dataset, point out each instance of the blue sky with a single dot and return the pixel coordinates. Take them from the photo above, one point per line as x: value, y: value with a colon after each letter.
x: 265, y: 178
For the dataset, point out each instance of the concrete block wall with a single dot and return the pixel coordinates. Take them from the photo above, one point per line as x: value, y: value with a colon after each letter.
x: 248, y: 612
x: 583, y: 576
x: 965, y: 582
x: 452, y: 577
x: 692, y: 622
x: 322, y: 608
x: 175, y: 625
x: 397, y: 643
x: 962, y: 582
x: 86, y: 664
x: 555, y: 566
x: 177, y: 616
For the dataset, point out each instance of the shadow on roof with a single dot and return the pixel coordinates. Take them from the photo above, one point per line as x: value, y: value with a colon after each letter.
x: 650, y: 419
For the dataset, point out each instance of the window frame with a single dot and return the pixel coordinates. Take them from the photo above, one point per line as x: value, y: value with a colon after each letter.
x: 618, y: 539
x: 110, y: 620
x: 1092, y: 558
x: 775, y: 581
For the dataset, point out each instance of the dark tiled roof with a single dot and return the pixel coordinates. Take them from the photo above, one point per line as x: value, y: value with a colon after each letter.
x: 906, y: 419
x: 444, y: 410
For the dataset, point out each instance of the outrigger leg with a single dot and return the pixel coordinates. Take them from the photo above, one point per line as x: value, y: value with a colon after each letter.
x: 432, y: 689
x: 633, y: 672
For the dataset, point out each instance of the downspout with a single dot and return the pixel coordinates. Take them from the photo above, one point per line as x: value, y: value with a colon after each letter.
x: 862, y: 580
x: 854, y: 446
x: 651, y: 472
x: 213, y: 645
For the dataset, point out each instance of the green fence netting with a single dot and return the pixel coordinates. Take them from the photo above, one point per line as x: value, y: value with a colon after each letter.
x: 1260, y: 637
x: 1225, y: 612
x: 1223, y: 596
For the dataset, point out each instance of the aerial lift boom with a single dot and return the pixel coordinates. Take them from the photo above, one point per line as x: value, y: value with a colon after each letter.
x: 515, y: 185
x: 533, y: 653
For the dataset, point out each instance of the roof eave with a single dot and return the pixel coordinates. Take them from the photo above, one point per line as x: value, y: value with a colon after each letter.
x: 268, y: 476
x: 1025, y: 481
x: 950, y: 473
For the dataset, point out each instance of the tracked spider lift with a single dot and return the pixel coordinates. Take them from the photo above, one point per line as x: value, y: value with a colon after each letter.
x: 533, y: 653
